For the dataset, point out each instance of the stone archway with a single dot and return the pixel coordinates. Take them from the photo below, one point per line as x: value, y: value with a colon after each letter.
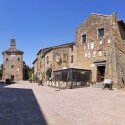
x: 48, y: 73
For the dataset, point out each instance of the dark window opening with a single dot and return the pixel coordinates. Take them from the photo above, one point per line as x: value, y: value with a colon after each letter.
x: 72, y: 49
x: 18, y: 59
x: 123, y: 81
x: 100, y: 73
x: 12, y: 66
x: 47, y: 59
x: 71, y: 59
x: 101, y: 33
x: 7, y: 59
x: 84, y: 38
x: 12, y: 77
x: 48, y: 73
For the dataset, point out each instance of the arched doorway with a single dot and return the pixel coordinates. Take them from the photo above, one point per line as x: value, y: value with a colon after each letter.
x: 48, y: 73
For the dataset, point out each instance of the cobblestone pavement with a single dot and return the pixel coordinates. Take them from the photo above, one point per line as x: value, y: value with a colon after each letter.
x: 30, y: 104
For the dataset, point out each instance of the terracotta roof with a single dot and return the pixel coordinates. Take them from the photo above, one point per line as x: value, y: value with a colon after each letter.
x: 63, y: 45
x: 45, y: 50
x: 13, y: 50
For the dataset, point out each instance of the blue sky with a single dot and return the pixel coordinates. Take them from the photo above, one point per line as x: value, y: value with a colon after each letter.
x: 37, y: 24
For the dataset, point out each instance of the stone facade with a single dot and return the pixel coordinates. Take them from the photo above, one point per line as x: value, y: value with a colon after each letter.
x: 94, y: 49
x: 35, y: 67
x: 96, y: 52
x: 13, y: 63
x: 54, y: 58
x: 99, y: 47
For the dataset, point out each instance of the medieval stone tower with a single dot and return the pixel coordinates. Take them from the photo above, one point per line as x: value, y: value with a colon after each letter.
x: 13, y: 63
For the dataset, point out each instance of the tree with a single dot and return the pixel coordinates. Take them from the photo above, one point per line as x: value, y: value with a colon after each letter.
x: 27, y: 72
x: 30, y: 73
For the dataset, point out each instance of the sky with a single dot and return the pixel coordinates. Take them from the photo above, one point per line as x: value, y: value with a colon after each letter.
x: 37, y: 24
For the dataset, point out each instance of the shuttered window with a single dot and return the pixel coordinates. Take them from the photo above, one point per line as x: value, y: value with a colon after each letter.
x: 65, y: 58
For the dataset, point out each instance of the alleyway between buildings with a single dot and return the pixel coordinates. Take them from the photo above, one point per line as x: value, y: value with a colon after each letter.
x: 29, y: 104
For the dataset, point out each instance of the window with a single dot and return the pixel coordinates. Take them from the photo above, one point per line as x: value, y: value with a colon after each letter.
x: 47, y: 59
x: 100, y: 53
x: 72, y: 49
x: 18, y: 59
x: 92, y: 45
x: 7, y: 59
x: 65, y: 58
x: 101, y: 33
x: 72, y: 59
x: 84, y: 38
x: 12, y: 66
x: 57, y: 57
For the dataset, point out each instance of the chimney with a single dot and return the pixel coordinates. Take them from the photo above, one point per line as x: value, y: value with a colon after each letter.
x: 13, y: 43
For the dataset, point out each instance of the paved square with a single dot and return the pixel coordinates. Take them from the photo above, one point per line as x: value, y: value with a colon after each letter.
x: 30, y: 104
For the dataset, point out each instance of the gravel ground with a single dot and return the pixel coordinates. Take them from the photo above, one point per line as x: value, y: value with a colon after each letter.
x: 30, y: 104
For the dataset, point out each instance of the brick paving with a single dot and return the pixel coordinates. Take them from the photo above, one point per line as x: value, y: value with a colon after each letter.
x: 30, y: 104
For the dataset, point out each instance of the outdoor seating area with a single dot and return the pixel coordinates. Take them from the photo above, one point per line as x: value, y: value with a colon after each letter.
x: 70, y: 78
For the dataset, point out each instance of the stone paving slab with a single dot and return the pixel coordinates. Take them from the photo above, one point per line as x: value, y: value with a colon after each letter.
x: 18, y: 106
x: 82, y: 106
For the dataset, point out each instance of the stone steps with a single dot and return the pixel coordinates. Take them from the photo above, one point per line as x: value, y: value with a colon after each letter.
x: 99, y: 85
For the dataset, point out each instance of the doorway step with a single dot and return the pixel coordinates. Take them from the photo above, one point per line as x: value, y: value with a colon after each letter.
x: 99, y: 85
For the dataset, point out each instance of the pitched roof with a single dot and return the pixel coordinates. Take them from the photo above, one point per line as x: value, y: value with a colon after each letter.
x: 96, y: 14
x: 63, y: 45
x: 34, y: 61
x: 13, y: 50
x: 45, y: 50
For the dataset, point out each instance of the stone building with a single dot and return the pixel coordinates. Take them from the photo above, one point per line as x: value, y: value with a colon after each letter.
x: 13, y: 63
x: 99, y: 48
x: 54, y: 58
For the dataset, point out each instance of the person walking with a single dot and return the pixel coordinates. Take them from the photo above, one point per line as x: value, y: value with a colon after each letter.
x: 40, y: 82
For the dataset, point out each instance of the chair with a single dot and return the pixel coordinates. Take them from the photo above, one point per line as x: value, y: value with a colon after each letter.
x: 107, y: 83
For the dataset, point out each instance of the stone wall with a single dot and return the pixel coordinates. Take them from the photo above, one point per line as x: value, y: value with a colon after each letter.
x: 87, y: 55
x: 63, y: 63
x: 35, y: 67
x: 111, y: 71
x: 120, y: 66
x: 17, y: 69
x: 41, y: 65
